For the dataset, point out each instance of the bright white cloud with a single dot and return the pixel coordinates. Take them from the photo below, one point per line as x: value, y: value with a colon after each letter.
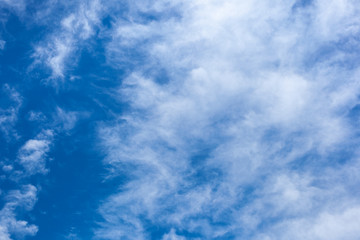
x: 250, y: 84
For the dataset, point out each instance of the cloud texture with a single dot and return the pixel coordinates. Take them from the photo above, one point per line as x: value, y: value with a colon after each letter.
x: 243, y: 134
x: 213, y: 119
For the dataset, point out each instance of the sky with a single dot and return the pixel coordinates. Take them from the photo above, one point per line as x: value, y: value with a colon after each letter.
x: 176, y: 120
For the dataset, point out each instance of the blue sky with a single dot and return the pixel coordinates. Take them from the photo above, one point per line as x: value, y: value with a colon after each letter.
x: 175, y: 120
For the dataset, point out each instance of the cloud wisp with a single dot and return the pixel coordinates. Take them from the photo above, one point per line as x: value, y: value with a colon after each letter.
x: 58, y: 52
x: 32, y: 156
x: 247, y: 132
x: 17, y: 201
x: 9, y: 112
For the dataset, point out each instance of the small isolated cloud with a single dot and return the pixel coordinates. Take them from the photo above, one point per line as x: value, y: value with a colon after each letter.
x: 16, y: 5
x: 7, y: 168
x: 67, y: 120
x: 36, y: 116
x: 72, y: 235
x: 32, y: 155
x: 2, y: 44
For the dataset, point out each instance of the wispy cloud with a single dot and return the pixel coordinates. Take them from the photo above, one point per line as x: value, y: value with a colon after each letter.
x: 9, y: 109
x: 244, y: 136
x: 172, y: 236
x: 59, y: 50
x: 17, y: 6
x: 22, y: 199
x: 2, y: 44
x: 33, y: 154
x: 238, y: 118
x: 67, y: 119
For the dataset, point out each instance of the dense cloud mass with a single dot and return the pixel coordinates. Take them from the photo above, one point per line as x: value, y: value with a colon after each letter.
x: 202, y: 119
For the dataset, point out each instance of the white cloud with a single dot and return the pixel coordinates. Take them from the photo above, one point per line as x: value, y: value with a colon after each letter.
x: 55, y: 54
x: 24, y: 198
x: 67, y: 119
x: 4, y: 234
x: 32, y: 155
x: 57, y: 51
x: 249, y: 85
x: 327, y: 225
x: 12, y: 102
